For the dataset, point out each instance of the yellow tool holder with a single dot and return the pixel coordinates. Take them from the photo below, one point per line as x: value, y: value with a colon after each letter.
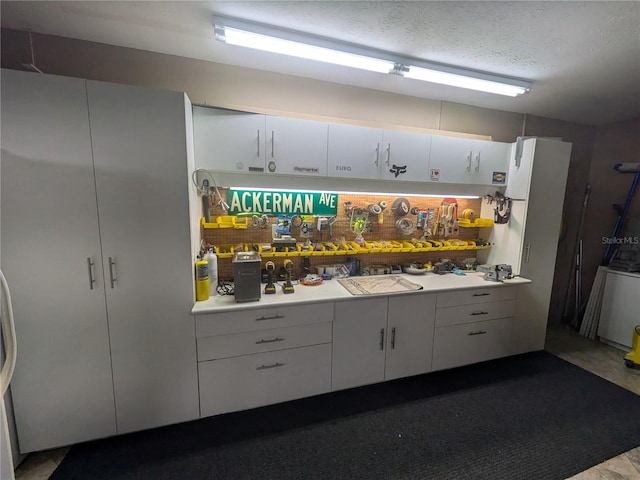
x: 343, y: 248
x: 351, y: 248
x: 478, y: 222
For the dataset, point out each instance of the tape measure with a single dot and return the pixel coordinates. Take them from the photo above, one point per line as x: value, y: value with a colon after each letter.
x: 400, y: 207
x: 469, y: 214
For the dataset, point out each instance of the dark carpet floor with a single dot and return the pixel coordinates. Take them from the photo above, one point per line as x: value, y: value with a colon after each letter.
x: 532, y: 416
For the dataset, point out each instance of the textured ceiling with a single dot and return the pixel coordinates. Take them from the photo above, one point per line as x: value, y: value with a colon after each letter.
x: 582, y: 57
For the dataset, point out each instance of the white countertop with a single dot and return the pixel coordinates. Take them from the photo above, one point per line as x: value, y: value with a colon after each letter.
x: 331, y: 290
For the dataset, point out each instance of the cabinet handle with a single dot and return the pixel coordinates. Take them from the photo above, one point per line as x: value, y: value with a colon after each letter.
x: 469, y: 157
x: 479, y: 313
x: 528, y: 250
x: 382, y: 339
x: 91, y: 279
x: 478, y: 162
x: 271, y: 340
x: 388, y: 154
x: 479, y: 332
x: 377, y: 154
x: 480, y: 294
x: 258, y: 142
x: 274, y: 317
x: 273, y: 365
x: 393, y: 338
x: 272, y: 135
x: 112, y: 264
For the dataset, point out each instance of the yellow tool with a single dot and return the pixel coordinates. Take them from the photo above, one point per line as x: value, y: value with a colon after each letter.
x: 270, y: 288
x: 632, y: 359
x: 288, y: 267
x: 202, y: 280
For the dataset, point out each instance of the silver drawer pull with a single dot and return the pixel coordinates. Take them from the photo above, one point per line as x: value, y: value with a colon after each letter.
x: 273, y: 365
x: 274, y: 317
x: 112, y: 264
x: 479, y: 332
x: 271, y: 340
x: 92, y: 280
x: 481, y: 294
x: 479, y: 313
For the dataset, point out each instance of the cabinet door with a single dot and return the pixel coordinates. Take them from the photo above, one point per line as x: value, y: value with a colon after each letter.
x: 354, y: 152
x: 296, y: 147
x: 453, y: 158
x: 540, y: 242
x: 359, y: 333
x: 62, y: 388
x: 405, y: 156
x: 140, y: 154
x: 490, y: 163
x: 410, y: 337
x: 228, y: 141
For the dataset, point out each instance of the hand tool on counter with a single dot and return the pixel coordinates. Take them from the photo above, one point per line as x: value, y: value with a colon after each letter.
x: 270, y: 288
x: 288, y: 286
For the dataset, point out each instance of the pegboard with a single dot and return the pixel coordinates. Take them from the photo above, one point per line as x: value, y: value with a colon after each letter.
x: 341, y: 230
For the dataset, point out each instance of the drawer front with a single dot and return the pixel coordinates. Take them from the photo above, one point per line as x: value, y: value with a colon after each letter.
x: 474, y: 313
x: 239, y: 383
x: 471, y: 343
x: 477, y: 295
x: 236, y: 344
x: 211, y: 324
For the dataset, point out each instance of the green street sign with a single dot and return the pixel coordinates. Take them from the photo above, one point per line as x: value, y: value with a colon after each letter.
x: 273, y: 203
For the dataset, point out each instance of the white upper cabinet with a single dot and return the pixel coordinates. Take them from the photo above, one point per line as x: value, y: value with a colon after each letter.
x: 354, y: 152
x: 405, y: 156
x: 296, y: 147
x: 374, y: 154
x: 229, y: 141
x: 466, y: 161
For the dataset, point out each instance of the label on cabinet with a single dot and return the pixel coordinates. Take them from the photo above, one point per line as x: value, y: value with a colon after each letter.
x: 434, y: 175
x: 499, y: 178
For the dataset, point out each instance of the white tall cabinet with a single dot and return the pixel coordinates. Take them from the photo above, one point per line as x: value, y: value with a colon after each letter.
x: 96, y: 248
x: 62, y: 387
x: 140, y: 145
x: 529, y: 242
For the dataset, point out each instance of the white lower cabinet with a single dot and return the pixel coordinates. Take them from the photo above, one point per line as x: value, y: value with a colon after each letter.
x: 257, y: 357
x: 383, y: 338
x: 473, y: 326
x: 468, y: 343
x: 249, y: 381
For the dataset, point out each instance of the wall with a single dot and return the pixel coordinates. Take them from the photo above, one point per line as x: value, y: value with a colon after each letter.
x: 227, y: 86
x: 615, y: 143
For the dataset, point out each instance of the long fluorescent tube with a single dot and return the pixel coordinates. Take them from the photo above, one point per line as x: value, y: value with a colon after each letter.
x: 295, y: 44
x: 242, y: 38
x: 464, y: 81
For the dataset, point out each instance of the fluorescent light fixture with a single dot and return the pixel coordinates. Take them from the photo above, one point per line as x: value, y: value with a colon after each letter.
x: 295, y: 44
x: 488, y: 84
x: 234, y: 36
x: 380, y: 194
